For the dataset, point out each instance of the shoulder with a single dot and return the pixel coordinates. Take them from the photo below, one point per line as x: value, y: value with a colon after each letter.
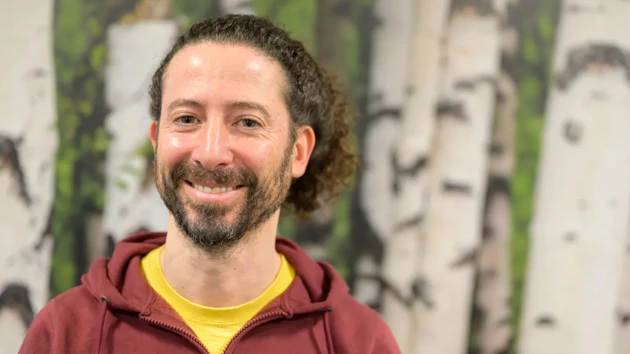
x: 58, y: 319
x: 73, y: 302
x: 354, y: 325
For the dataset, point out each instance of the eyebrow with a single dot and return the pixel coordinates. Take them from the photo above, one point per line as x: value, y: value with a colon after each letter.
x: 250, y: 105
x: 231, y: 105
x: 183, y: 102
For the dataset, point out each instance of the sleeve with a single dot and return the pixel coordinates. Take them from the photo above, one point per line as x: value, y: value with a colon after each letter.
x: 385, y: 342
x: 39, y: 337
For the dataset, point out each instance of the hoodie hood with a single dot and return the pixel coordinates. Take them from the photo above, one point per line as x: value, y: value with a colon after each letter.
x: 120, y: 283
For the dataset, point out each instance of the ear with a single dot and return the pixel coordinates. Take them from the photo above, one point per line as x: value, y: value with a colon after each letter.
x: 153, y: 133
x: 302, y: 150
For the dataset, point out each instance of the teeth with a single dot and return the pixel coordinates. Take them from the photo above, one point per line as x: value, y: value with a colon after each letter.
x: 214, y: 190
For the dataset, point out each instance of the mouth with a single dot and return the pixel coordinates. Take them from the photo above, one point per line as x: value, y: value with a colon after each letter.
x: 213, y: 189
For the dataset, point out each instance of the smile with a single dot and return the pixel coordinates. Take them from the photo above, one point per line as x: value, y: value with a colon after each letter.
x: 214, y: 190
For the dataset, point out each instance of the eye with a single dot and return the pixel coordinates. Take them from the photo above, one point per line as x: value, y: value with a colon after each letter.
x: 249, y: 123
x: 186, y: 119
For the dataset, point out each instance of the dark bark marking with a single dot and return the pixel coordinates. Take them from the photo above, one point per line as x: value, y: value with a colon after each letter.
x: 570, y: 236
x: 450, y: 108
x: 467, y: 258
x: 419, y: 290
x: 573, y: 131
x: 595, y: 56
x: 472, y: 83
x: 411, y: 222
x: 487, y: 232
x: 392, y: 112
x: 10, y: 157
x: 418, y: 166
x: 624, y: 317
x: 499, y: 184
x: 16, y: 297
x: 545, y: 321
x: 409, y: 171
x: 456, y: 187
x: 496, y: 149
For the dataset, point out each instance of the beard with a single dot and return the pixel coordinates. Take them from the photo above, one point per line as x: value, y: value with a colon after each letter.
x: 210, y: 229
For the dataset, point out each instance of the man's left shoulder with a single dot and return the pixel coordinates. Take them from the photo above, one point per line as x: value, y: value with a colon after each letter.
x: 353, y: 323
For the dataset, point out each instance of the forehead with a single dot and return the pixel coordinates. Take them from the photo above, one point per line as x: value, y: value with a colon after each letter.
x: 224, y: 70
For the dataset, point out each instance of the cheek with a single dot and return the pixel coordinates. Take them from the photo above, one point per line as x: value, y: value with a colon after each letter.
x: 171, y: 149
x: 260, y: 157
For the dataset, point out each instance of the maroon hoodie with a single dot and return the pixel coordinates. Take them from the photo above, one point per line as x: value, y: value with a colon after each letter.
x: 114, y: 310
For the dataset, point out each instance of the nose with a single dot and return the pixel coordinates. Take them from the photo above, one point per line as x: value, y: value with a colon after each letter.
x: 214, y: 149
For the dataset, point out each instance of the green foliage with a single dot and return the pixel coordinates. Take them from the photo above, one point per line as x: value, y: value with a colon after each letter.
x: 80, y: 58
x: 193, y: 10
x: 538, y: 39
x: 287, y: 226
x: 338, y: 244
x: 296, y: 17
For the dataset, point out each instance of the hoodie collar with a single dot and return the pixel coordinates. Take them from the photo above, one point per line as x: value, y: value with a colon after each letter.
x: 119, y: 279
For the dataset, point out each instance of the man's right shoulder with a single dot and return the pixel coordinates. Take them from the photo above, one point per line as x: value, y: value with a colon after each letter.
x: 67, y: 313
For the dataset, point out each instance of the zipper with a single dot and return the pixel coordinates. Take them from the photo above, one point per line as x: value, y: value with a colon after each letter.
x: 270, y: 316
x: 178, y: 330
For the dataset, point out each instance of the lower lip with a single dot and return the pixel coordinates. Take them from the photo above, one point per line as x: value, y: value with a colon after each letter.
x: 215, y: 197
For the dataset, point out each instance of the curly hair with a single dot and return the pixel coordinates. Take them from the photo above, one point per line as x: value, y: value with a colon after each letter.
x: 314, y: 98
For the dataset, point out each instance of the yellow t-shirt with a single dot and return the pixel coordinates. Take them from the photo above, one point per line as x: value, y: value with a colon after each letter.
x: 213, y: 326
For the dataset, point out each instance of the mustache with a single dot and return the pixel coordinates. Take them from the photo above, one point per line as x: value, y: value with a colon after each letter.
x: 241, y: 177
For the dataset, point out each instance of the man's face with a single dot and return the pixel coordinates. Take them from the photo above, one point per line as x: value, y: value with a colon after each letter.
x: 225, y: 154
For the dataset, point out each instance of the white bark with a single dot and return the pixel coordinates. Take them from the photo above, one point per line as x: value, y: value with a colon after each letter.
x: 28, y: 143
x: 459, y: 177
x: 580, y: 220
x: 493, y: 292
x: 132, y: 201
x: 402, y: 251
x: 236, y: 7
x: 13, y: 331
x: 387, y: 76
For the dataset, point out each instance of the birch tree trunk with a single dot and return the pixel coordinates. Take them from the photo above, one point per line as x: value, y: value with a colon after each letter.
x: 402, y: 252
x: 580, y: 222
x: 385, y: 97
x: 236, y: 7
x: 459, y: 174
x: 28, y: 142
x: 132, y: 201
x: 493, y: 293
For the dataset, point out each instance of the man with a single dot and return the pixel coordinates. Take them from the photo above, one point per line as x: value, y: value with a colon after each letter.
x: 245, y: 121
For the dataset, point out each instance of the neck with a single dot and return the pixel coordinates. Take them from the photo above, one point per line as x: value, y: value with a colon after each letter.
x: 222, y: 281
